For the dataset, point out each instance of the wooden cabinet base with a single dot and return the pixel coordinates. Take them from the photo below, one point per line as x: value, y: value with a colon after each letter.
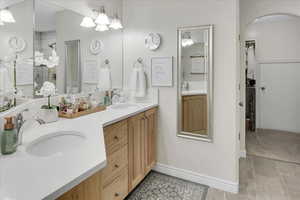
x: 131, y: 154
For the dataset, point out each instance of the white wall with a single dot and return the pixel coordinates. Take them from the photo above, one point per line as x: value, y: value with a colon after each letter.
x: 217, y: 161
x: 250, y: 10
x: 277, y: 37
x: 67, y: 28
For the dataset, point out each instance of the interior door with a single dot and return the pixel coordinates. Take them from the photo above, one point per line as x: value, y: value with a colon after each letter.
x: 280, y: 96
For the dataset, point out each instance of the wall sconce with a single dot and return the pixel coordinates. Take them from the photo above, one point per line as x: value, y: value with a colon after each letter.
x: 101, y: 28
x: 102, y: 17
x: 88, y: 22
x: 6, y: 16
x: 187, y: 39
x: 102, y: 21
x: 116, y: 23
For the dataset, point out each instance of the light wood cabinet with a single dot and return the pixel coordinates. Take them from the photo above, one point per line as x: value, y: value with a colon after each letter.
x: 194, y: 114
x: 90, y: 189
x: 150, y: 139
x: 131, y: 154
x: 136, y: 149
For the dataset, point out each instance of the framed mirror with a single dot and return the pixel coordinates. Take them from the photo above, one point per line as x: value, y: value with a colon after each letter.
x: 195, y: 82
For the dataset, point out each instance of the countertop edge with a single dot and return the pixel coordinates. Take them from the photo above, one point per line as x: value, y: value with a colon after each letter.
x: 76, y: 181
x: 129, y: 115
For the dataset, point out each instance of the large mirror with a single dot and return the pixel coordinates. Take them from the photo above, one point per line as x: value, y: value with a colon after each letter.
x: 73, y: 51
x: 62, y: 42
x: 16, y: 51
x: 195, y: 86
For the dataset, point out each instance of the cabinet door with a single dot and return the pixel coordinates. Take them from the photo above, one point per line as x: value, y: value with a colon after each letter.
x: 136, y: 150
x: 194, y: 113
x: 150, y: 139
x: 90, y: 189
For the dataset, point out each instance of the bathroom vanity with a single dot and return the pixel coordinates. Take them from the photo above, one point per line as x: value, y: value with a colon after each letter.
x: 130, y: 148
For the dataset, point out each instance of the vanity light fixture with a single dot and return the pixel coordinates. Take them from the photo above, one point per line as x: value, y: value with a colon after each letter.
x: 187, y: 39
x: 101, y: 28
x: 88, y: 22
x: 6, y: 16
x: 116, y: 23
x: 102, y: 18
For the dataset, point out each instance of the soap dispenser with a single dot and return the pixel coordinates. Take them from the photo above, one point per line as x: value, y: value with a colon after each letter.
x: 9, y: 137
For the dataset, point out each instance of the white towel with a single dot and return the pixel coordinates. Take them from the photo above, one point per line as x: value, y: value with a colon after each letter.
x: 6, y: 84
x: 138, y: 82
x: 104, y: 81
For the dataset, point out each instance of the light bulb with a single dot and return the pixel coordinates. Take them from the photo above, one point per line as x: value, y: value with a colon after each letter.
x: 87, y: 22
x: 102, y: 17
x: 116, y: 24
x: 6, y: 16
x: 102, y: 27
x: 1, y: 23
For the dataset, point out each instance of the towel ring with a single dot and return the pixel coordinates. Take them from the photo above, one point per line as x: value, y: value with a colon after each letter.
x: 138, y: 61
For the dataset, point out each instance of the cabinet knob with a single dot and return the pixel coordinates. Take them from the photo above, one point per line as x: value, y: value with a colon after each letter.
x: 116, y: 166
x: 117, y: 194
x: 116, y: 138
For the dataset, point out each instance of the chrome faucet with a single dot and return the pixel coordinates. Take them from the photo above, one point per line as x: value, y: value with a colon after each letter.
x: 20, y: 122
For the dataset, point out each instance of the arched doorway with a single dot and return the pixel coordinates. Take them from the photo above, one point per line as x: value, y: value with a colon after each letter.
x: 272, y: 57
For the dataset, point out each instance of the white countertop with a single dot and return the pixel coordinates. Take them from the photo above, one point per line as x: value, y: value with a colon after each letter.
x: 193, y: 92
x: 27, y: 177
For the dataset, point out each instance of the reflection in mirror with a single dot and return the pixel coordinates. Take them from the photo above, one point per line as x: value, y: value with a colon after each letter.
x: 16, y: 52
x: 195, y: 82
x: 73, y: 67
x: 71, y: 50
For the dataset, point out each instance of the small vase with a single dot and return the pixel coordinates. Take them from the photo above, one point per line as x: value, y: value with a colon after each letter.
x: 49, y: 115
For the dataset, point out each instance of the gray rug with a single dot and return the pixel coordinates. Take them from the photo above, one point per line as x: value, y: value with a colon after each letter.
x: 158, y: 186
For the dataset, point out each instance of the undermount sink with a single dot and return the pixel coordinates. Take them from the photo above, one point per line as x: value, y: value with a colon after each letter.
x: 123, y: 106
x: 55, y: 143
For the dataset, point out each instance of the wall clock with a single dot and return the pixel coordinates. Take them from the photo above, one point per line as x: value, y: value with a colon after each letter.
x: 17, y: 44
x: 96, y: 46
x: 153, y: 41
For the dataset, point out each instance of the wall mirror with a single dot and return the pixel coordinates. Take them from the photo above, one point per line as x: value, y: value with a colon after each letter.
x: 16, y: 51
x: 58, y: 42
x: 75, y: 52
x: 195, y: 86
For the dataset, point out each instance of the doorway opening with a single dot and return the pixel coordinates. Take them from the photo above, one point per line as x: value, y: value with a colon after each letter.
x: 272, y: 58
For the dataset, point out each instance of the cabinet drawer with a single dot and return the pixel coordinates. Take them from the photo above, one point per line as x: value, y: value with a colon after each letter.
x: 116, y: 136
x: 118, y: 189
x: 116, y: 162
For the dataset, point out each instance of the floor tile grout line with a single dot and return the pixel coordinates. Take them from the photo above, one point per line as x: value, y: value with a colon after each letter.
x: 274, y: 159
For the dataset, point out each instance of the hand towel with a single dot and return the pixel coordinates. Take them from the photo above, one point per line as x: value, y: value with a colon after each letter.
x: 138, y: 82
x: 104, y: 81
x: 6, y: 84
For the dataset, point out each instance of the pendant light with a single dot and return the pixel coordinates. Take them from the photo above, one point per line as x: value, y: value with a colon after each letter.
x: 101, y: 28
x: 88, y: 22
x: 116, y: 23
x: 102, y: 18
x: 6, y: 16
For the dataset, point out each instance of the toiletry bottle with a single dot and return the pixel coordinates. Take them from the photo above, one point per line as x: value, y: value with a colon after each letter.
x: 107, y: 99
x: 9, y: 137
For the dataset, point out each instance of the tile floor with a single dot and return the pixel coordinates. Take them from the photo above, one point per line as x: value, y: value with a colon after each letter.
x: 262, y: 178
x: 277, y: 145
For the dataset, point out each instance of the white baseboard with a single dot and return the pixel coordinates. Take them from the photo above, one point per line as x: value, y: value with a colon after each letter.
x: 213, y: 182
x: 243, y: 153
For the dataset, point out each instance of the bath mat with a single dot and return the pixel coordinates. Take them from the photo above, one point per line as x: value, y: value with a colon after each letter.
x: 157, y: 186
